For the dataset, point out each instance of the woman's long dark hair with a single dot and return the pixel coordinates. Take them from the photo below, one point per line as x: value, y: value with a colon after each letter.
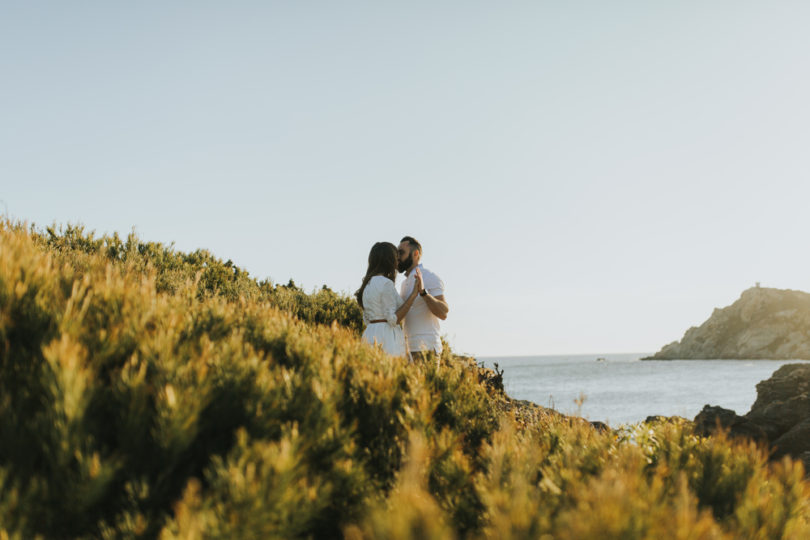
x: 382, y: 261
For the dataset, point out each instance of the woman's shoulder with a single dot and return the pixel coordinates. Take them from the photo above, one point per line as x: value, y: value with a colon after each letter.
x: 380, y: 279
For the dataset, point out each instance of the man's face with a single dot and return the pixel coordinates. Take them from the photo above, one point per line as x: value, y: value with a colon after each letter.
x: 405, y: 257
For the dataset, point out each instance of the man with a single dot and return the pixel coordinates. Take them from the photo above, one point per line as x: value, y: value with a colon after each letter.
x: 422, y: 320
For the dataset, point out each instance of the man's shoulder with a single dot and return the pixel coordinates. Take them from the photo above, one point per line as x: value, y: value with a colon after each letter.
x: 430, y: 276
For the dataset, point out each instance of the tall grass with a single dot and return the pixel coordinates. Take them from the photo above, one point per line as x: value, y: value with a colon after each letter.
x: 140, y: 399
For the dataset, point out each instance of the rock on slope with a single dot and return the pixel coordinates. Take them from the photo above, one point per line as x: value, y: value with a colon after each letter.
x: 764, y: 323
x: 780, y: 416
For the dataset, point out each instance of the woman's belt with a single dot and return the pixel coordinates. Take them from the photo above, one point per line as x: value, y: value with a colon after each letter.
x: 377, y: 321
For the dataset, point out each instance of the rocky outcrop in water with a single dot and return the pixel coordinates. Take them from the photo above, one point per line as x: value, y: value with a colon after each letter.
x: 762, y: 324
x: 780, y: 416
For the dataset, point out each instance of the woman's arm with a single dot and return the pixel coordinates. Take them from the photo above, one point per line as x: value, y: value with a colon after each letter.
x: 406, y: 305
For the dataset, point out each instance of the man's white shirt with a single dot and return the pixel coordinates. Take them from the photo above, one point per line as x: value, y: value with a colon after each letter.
x: 421, y: 325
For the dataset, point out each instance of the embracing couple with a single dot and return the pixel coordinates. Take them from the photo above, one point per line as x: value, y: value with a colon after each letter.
x: 419, y: 304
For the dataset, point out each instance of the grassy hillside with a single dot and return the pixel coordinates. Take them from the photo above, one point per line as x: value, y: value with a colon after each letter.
x: 150, y: 393
x: 173, y: 271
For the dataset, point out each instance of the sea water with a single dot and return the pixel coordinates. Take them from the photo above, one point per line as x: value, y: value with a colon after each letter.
x: 621, y: 388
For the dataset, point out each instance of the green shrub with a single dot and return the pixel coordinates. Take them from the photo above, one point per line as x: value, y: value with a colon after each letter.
x: 173, y: 271
x: 148, y: 393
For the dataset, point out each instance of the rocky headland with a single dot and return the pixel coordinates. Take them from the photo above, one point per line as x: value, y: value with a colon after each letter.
x: 764, y: 323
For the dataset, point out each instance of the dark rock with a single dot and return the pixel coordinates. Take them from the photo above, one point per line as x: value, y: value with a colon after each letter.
x: 749, y: 430
x: 656, y: 419
x: 601, y: 427
x: 780, y: 415
x: 783, y: 400
x: 794, y: 443
x: 710, y: 419
x: 790, y: 380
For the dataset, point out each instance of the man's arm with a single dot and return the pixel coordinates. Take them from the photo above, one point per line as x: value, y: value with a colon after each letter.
x: 437, y: 305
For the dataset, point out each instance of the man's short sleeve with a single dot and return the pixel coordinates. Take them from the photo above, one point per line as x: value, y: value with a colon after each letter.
x: 433, y: 284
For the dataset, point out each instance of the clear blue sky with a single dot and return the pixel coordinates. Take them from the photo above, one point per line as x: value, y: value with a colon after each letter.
x: 585, y: 176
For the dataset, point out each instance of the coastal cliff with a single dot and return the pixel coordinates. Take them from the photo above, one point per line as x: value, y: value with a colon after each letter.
x: 763, y: 323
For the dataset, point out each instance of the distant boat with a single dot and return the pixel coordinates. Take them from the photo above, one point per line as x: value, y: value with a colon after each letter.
x: 601, y: 359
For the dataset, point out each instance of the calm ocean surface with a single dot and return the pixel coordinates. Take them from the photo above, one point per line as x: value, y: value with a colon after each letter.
x: 623, y: 389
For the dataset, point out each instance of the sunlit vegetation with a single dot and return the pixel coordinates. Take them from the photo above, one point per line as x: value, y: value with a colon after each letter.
x: 172, y: 271
x: 150, y: 393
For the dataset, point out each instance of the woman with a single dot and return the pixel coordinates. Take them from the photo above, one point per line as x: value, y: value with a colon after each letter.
x: 383, y: 308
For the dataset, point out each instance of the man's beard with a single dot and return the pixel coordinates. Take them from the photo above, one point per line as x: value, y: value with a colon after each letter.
x: 406, y: 264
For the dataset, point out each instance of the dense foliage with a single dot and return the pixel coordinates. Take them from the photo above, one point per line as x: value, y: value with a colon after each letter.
x: 138, y: 399
x: 173, y: 270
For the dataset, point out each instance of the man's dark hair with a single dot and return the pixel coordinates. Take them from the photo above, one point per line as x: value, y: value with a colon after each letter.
x: 413, y: 242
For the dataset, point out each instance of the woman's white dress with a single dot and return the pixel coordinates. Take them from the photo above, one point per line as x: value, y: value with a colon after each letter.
x: 381, y: 301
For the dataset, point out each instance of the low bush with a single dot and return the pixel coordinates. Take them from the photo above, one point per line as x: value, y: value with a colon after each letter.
x: 173, y: 270
x: 140, y: 399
